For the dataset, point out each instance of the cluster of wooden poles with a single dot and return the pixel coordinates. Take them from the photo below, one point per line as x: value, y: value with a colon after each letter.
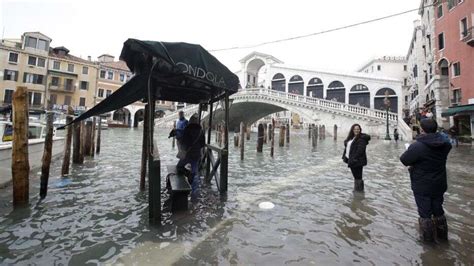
x: 266, y: 132
x: 82, y: 134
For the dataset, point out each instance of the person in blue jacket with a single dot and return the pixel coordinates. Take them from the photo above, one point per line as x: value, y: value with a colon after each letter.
x: 181, y: 124
x: 426, y: 159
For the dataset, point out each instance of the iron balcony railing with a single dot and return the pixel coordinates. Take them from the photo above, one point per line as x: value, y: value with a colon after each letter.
x: 468, y: 36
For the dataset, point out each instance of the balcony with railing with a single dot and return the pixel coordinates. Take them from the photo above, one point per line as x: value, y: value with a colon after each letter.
x: 62, y: 87
x: 468, y: 36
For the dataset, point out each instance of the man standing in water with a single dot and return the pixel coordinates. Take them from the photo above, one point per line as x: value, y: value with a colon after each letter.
x: 426, y: 159
x: 180, y: 126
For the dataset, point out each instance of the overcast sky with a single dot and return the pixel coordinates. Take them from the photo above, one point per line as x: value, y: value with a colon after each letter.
x: 101, y: 26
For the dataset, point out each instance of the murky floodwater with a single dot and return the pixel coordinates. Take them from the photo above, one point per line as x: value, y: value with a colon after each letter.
x: 101, y: 217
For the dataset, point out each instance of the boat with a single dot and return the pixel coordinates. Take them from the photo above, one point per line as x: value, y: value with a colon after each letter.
x: 36, y: 139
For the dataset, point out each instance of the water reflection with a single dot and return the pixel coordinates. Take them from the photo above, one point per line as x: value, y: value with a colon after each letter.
x: 102, y: 217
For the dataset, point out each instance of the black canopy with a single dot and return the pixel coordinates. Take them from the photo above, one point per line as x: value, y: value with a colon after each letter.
x: 179, y: 72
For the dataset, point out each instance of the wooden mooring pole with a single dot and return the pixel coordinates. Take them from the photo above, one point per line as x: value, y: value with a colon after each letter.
x: 335, y: 132
x: 320, y: 132
x: 67, y: 144
x: 92, y: 152
x: 173, y: 143
x: 282, y: 136
x: 314, y: 136
x: 88, y: 138
x: 265, y: 133
x: 20, y: 163
x: 236, y: 137
x: 272, y: 138
x: 99, y: 130
x: 324, y: 131
x: 145, y: 149
x: 310, y: 128
x: 288, y: 134
x: 261, y: 136
x: 270, y: 132
x: 247, y: 129
x: 46, y: 161
x: 242, y: 141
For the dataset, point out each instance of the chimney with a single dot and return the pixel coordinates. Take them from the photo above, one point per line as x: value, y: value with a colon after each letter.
x: 89, y: 58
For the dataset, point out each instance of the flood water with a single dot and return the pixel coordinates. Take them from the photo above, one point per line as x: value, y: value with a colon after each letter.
x: 101, y: 217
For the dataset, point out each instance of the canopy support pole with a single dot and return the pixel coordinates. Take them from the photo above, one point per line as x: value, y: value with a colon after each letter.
x: 209, y: 130
x: 225, y: 151
x: 154, y: 171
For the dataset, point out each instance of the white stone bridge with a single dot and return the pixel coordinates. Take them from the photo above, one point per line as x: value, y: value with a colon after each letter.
x: 252, y: 104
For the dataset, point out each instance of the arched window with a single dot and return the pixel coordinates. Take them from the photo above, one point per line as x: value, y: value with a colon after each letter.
x: 379, y: 100
x: 359, y: 95
x: 279, y: 82
x: 296, y: 85
x: 315, y: 88
x: 336, y: 92
x: 444, y: 67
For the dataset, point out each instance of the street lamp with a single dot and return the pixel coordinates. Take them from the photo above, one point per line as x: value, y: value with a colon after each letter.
x: 386, y: 101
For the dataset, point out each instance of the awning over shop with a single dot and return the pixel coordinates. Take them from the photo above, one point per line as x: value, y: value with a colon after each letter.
x: 458, y: 109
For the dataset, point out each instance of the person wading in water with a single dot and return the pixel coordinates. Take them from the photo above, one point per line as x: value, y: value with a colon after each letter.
x: 354, y: 154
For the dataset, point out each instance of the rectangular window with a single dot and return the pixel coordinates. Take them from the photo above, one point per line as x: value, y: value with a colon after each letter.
x: 37, y: 98
x: 82, y: 101
x: 85, y: 70
x: 100, y: 93
x: 379, y: 67
x: 404, y: 67
x: 31, y: 42
x: 69, y: 86
x: 41, y: 62
x: 70, y: 67
x: 128, y: 77
x: 10, y: 75
x: 428, y: 37
x: 110, y: 75
x: 13, y: 58
x: 42, y: 45
x: 55, y: 81
x: 84, y: 85
x: 122, y: 77
x: 32, y: 60
x: 415, y: 71
x: 53, y: 98
x: 108, y: 93
x: 8, y: 96
x: 463, y: 28
x: 456, y: 96
x: 440, y: 10
x: 102, y: 74
x: 405, y: 82
x: 32, y: 78
x: 457, y: 69
x: 56, y: 65
x: 441, y: 41
x: 67, y: 100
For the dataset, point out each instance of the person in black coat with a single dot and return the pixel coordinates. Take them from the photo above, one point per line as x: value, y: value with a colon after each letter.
x: 193, y: 141
x: 426, y: 159
x: 355, y: 155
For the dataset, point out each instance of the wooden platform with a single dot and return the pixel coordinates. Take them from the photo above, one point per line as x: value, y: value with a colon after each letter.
x: 179, y: 189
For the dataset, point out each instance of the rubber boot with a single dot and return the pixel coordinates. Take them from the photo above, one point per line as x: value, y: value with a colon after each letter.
x: 426, y: 229
x: 441, y: 227
x: 358, y: 185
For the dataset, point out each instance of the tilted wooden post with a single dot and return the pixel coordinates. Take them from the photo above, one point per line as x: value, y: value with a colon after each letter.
x: 242, y: 141
x: 288, y: 134
x: 273, y: 138
x: 82, y: 147
x: 144, y: 149
x: 282, y: 136
x: 46, y: 161
x: 99, y: 130
x: 335, y: 132
x: 92, y: 152
x: 20, y: 163
x: 67, y: 144
x: 260, y: 137
x: 88, y: 139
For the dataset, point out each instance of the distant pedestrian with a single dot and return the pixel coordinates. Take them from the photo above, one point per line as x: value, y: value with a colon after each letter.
x: 180, y: 126
x: 396, y: 135
x: 426, y: 161
x: 355, y: 154
x: 453, y: 132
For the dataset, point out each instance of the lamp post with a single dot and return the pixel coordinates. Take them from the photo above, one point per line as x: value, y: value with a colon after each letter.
x: 386, y: 101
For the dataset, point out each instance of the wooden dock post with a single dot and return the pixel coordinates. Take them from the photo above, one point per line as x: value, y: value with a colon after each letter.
x: 272, y: 137
x: 260, y: 135
x: 310, y: 128
x: 287, y: 134
x: 324, y: 132
x: 88, y: 138
x: 242, y: 141
x: 335, y: 132
x: 224, y: 170
x: 265, y: 133
x: 236, y: 137
x: 173, y: 143
x: 99, y: 130
x: 282, y: 136
x: 94, y: 120
x: 46, y: 160
x: 145, y: 149
x: 247, y: 129
x: 67, y: 143
x: 320, y: 132
x: 270, y: 132
x: 209, y: 131
x: 20, y: 163
x: 76, y: 143
x: 314, y: 137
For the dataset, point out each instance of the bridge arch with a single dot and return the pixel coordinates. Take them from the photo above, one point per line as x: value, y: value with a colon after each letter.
x: 296, y: 85
x: 253, y: 72
x: 279, y: 82
x: 336, y: 92
x: 380, y: 98
x: 139, y: 116
x: 359, y: 95
x: 315, y: 88
x: 122, y: 115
